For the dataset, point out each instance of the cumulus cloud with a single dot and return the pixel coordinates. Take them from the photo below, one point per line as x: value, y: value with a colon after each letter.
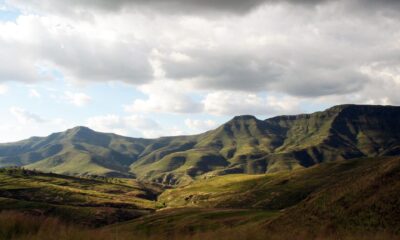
x: 77, y: 98
x: 237, y: 103
x: 164, y: 96
x: 81, y: 52
x: 338, y: 51
x: 33, y: 93
x: 132, y: 125
x: 200, y: 126
x: 3, y: 89
x: 298, y: 51
x: 21, y: 124
x: 164, y: 6
x: 80, y: 8
x: 304, y: 54
x: 25, y: 117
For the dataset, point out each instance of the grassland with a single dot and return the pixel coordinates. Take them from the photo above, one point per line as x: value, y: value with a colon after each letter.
x: 350, y: 195
x: 264, y: 191
x: 356, y: 199
x: 181, y: 224
x: 88, y: 201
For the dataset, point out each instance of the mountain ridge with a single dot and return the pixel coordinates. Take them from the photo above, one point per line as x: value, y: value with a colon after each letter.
x: 244, y: 144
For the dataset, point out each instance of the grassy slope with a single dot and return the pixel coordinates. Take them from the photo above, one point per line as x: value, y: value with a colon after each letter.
x: 356, y: 199
x: 361, y: 193
x: 365, y: 198
x: 204, y: 224
x: 190, y: 220
x: 91, y: 202
x: 77, y: 151
x: 268, y: 191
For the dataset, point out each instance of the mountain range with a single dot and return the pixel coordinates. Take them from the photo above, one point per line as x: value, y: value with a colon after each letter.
x: 244, y: 144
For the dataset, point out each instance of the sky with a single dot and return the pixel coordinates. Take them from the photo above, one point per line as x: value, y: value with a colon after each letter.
x: 151, y: 68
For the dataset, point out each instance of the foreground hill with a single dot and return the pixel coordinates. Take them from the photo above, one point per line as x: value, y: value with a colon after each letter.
x: 87, y: 201
x: 356, y: 194
x: 364, y: 197
x: 245, y: 144
x: 355, y: 199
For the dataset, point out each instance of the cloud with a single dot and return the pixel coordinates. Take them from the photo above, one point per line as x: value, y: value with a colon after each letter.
x: 21, y: 124
x: 132, y: 125
x: 33, y: 93
x: 164, y: 97
x: 269, y: 58
x: 163, y: 6
x: 294, y: 50
x: 78, y: 99
x: 283, y: 55
x: 108, y: 123
x: 80, y: 52
x: 200, y: 126
x: 25, y: 117
x: 85, y: 9
x: 239, y: 103
x: 3, y: 89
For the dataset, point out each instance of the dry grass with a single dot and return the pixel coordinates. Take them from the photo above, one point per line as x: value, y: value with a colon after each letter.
x: 19, y: 226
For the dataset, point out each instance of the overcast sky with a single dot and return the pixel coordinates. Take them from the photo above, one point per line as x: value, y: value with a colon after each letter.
x: 149, y: 68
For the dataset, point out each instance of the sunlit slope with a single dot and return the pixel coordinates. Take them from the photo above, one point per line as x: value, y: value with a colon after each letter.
x: 78, y: 151
x: 277, y: 191
x: 244, y: 144
x: 51, y: 194
x: 354, y: 199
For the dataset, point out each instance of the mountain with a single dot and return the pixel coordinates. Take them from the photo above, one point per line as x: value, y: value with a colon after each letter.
x: 244, y: 144
x: 93, y: 202
x: 78, y: 151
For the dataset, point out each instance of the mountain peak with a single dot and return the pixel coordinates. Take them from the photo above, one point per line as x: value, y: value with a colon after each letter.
x: 360, y: 106
x: 363, y: 109
x: 342, y: 107
x: 79, y: 128
x: 244, y: 118
x: 80, y: 132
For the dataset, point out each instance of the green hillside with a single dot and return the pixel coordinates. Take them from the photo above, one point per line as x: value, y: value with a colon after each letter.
x: 183, y: 223
x: 365, y: 197
x: 244, y: 145
x: 88, y: 201
x: 273, y: 191
x: 356, y: 195
x: 355, y: 199
x: 78, y: 151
